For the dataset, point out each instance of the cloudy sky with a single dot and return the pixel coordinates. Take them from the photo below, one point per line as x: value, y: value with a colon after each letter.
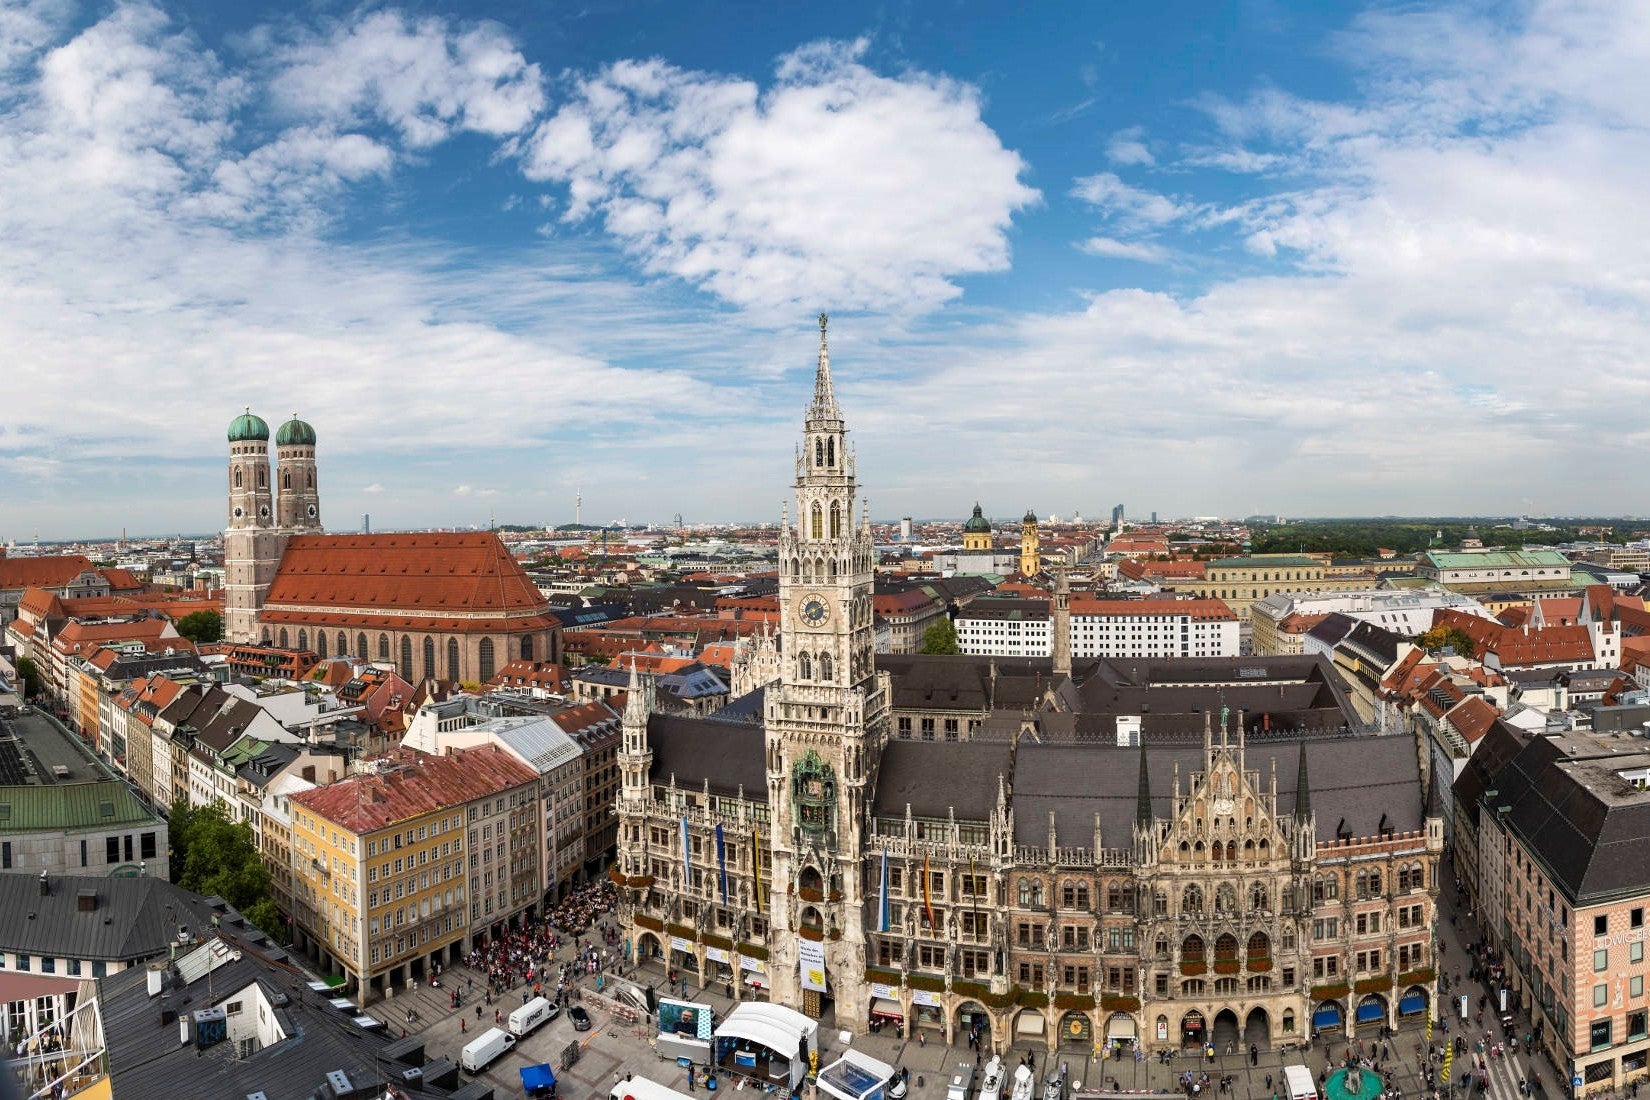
x: 1198, y: 258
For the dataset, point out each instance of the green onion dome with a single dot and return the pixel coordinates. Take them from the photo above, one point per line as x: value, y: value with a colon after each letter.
x: 247, y: 427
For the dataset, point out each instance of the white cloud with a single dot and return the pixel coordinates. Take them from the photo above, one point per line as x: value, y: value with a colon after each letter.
x: 1113, y: 248
x: 836, y: 187
x: 375, y: 487
x: 1128, y: 147
x: 463, y: 490
x: 1131, y: 207
x: 425, y: 77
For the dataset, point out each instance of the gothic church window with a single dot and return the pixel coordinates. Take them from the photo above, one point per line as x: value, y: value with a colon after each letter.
x: 383, y: 647
x: 321, y: 644
x: 406, y: 668
x: 303, y: 639
x: 283, y: 637
x: 818, y: 526
x: 1192, y: 900
x: 486, y: 672
x: 805, y: 666
x: 1031, y: 893
x: 836, y: 527
x: 312, y: 479
x: 830, y: 452
x: 237, y: 478
x: 343, y: 643
x: 819, y: 452
x: 262, y: 476
x: 361, y: 646
x: 527, y: 647
x: 429, y: 657
x: 824, y: 666
x: 286, y: 479
x: 452, y: 659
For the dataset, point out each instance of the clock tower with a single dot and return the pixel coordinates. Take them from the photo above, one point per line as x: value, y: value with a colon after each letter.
x: 826, y: 723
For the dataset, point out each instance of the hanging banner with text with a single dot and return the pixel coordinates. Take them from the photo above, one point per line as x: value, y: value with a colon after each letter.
x: 811, y: 954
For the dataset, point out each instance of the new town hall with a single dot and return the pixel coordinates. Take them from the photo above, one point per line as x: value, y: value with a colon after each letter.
x: 1174, y: 851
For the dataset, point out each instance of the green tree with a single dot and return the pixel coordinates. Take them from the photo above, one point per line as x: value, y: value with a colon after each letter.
x: 201, y: 626
x: 940, y: 638
x: 29, y: 673
x: 1454, y: 637
x: 219, y: 856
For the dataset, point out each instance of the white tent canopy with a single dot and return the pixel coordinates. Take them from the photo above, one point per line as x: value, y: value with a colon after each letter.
x: 855, y: 1076
x: 775, y: 1027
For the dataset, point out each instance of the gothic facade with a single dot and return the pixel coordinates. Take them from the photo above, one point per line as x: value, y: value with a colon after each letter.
x: 1039, y: 884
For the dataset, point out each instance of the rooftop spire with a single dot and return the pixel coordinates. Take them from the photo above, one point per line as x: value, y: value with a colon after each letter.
x: 1303, y: 790
x: 824, y: 406
x: 1143, y: 800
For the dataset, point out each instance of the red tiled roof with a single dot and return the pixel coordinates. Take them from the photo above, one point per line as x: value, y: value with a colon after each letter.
x: 543, y: 674
x: 411, y: 783
x: 1207, y: 610
x: 392, y: 620
x: 439, y: 574
x: 79, y: 637
x: 1473, y: 718
x: 121, y: 580
x: 52, y: 572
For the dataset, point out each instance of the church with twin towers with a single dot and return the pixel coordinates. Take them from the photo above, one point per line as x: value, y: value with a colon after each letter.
x: 1238, y: 863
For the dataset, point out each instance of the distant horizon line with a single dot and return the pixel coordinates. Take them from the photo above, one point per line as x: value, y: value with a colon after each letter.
x: 766, y: 524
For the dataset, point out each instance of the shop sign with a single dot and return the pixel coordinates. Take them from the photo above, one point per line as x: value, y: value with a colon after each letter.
x: 811, y: 955
x: 886, y: 992
x: 677, y: 943
x: 924, y: 997
x: 716, y: 954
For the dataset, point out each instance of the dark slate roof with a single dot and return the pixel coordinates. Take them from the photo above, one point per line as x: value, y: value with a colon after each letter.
x: 134, y: 918
x: 750, y: 707
x: 1376, y: 642
x: 1171, y: 695
x: 149, y: 1064
x: 1332, y: 628
x: 937, y: 777
x: 728, y: 754
x: 1574, y: 813
x: 1356, y: 781
x: 1492, y: 752
x: 930, y: 682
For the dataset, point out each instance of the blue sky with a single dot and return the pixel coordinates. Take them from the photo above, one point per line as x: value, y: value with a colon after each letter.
x: 1199, y: 258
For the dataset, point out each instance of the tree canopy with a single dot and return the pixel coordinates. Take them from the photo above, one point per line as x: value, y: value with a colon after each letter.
x: 941, y: 637
x: 201, y: 626
x: 213, y: 855
x: 1454, y: 637
x: 29, y: 673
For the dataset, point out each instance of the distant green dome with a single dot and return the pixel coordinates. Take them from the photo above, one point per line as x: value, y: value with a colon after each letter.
x: 246, y: 426
x: 1031, y: 517
x: 977, y: 522
x: 295, y: 433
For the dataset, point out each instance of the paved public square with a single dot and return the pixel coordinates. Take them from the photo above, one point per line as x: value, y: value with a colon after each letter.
x: 615, y: 1047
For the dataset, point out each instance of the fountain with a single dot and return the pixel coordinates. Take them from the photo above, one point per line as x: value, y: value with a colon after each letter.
x: 1353, y: 1083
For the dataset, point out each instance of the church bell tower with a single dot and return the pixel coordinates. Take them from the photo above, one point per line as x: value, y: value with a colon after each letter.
x: 826, y: 722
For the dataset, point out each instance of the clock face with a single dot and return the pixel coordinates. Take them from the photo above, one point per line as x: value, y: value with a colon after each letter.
x: 815, y: 612
x: 239, y: 512
x: 311, y: 511
x: 263, y: 511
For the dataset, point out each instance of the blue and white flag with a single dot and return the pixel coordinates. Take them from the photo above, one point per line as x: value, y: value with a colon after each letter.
x: 687, y: 856
x: 882, y: 905
x: 722, y: 863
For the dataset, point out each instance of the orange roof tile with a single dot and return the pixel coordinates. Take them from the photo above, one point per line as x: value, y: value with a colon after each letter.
x: 410, y: 784
x: 49, y: 572
x: 436, y: 574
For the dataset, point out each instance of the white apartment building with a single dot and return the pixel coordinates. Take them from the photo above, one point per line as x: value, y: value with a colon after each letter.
x: 1406, y: 612
x: 1101, y: 628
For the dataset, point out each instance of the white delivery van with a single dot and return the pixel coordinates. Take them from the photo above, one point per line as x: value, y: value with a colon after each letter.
x: 480, y: 1052
x: 961, y: 1086
x: 1298, y: 1081
x: 531, y: 1016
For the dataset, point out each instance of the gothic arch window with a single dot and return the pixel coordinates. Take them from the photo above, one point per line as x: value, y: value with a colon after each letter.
x: 1257, y: 897
x: 429, y: 657
x: 361, y: 646
x: 836, y: 525
x: 486, y: 672
x: 263, y: 477
x: 830, y: 564
x: 1192, y: 900
x: 1162, y: 947
x: 818, y: 524
x: 303, y: 638
x: 311, y: 479
x: 1191, y: 949
x: 1031, y: 893
x: 819, y: 452
x: 830, y: 451
x: 824, y: 666
x: 1231, y: 851
x: 321, y: 644
x: 527, y: 647
x: 1259, y: 946
x: 283, y: 638
x: 383, y: 647
x: 343, y: 643
x: 237, y: 477
x: 452, y: 659
x: 805, y: 666
x: 1226, y: 947
x: 406, y: 667
x: 1226, y: 899
x: 286, y: 479
x: 1289, y: 1021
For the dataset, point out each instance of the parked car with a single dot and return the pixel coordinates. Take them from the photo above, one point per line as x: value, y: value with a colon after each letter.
x: 580, y: 1018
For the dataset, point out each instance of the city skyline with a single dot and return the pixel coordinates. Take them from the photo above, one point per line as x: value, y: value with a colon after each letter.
x: 1281, y: 259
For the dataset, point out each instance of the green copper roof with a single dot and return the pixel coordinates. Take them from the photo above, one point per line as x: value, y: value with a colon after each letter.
x: 246, y: 426
x: 295, y: 433
x: 977, y: 522
x: 101, y: 804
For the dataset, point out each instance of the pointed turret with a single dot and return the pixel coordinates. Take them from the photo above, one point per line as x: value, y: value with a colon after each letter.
x: 1143, y: 797
x: 824, y: 403
x: 1303, y: 790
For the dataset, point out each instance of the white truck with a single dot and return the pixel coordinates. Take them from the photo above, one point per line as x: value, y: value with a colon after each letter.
x: 481, y: 1051
x: 1298, y: 1081
x: 531, y: 1016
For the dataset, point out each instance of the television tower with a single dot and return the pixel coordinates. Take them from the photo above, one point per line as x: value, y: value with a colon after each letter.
x: 578, y: 506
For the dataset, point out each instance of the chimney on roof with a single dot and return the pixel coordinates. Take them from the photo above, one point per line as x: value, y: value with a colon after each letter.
x: 45, y: 884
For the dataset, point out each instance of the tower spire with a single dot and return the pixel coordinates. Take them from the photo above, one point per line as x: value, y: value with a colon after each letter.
x: 1143, y: 798
x: 824, y: 404
x: 1303, y: 791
